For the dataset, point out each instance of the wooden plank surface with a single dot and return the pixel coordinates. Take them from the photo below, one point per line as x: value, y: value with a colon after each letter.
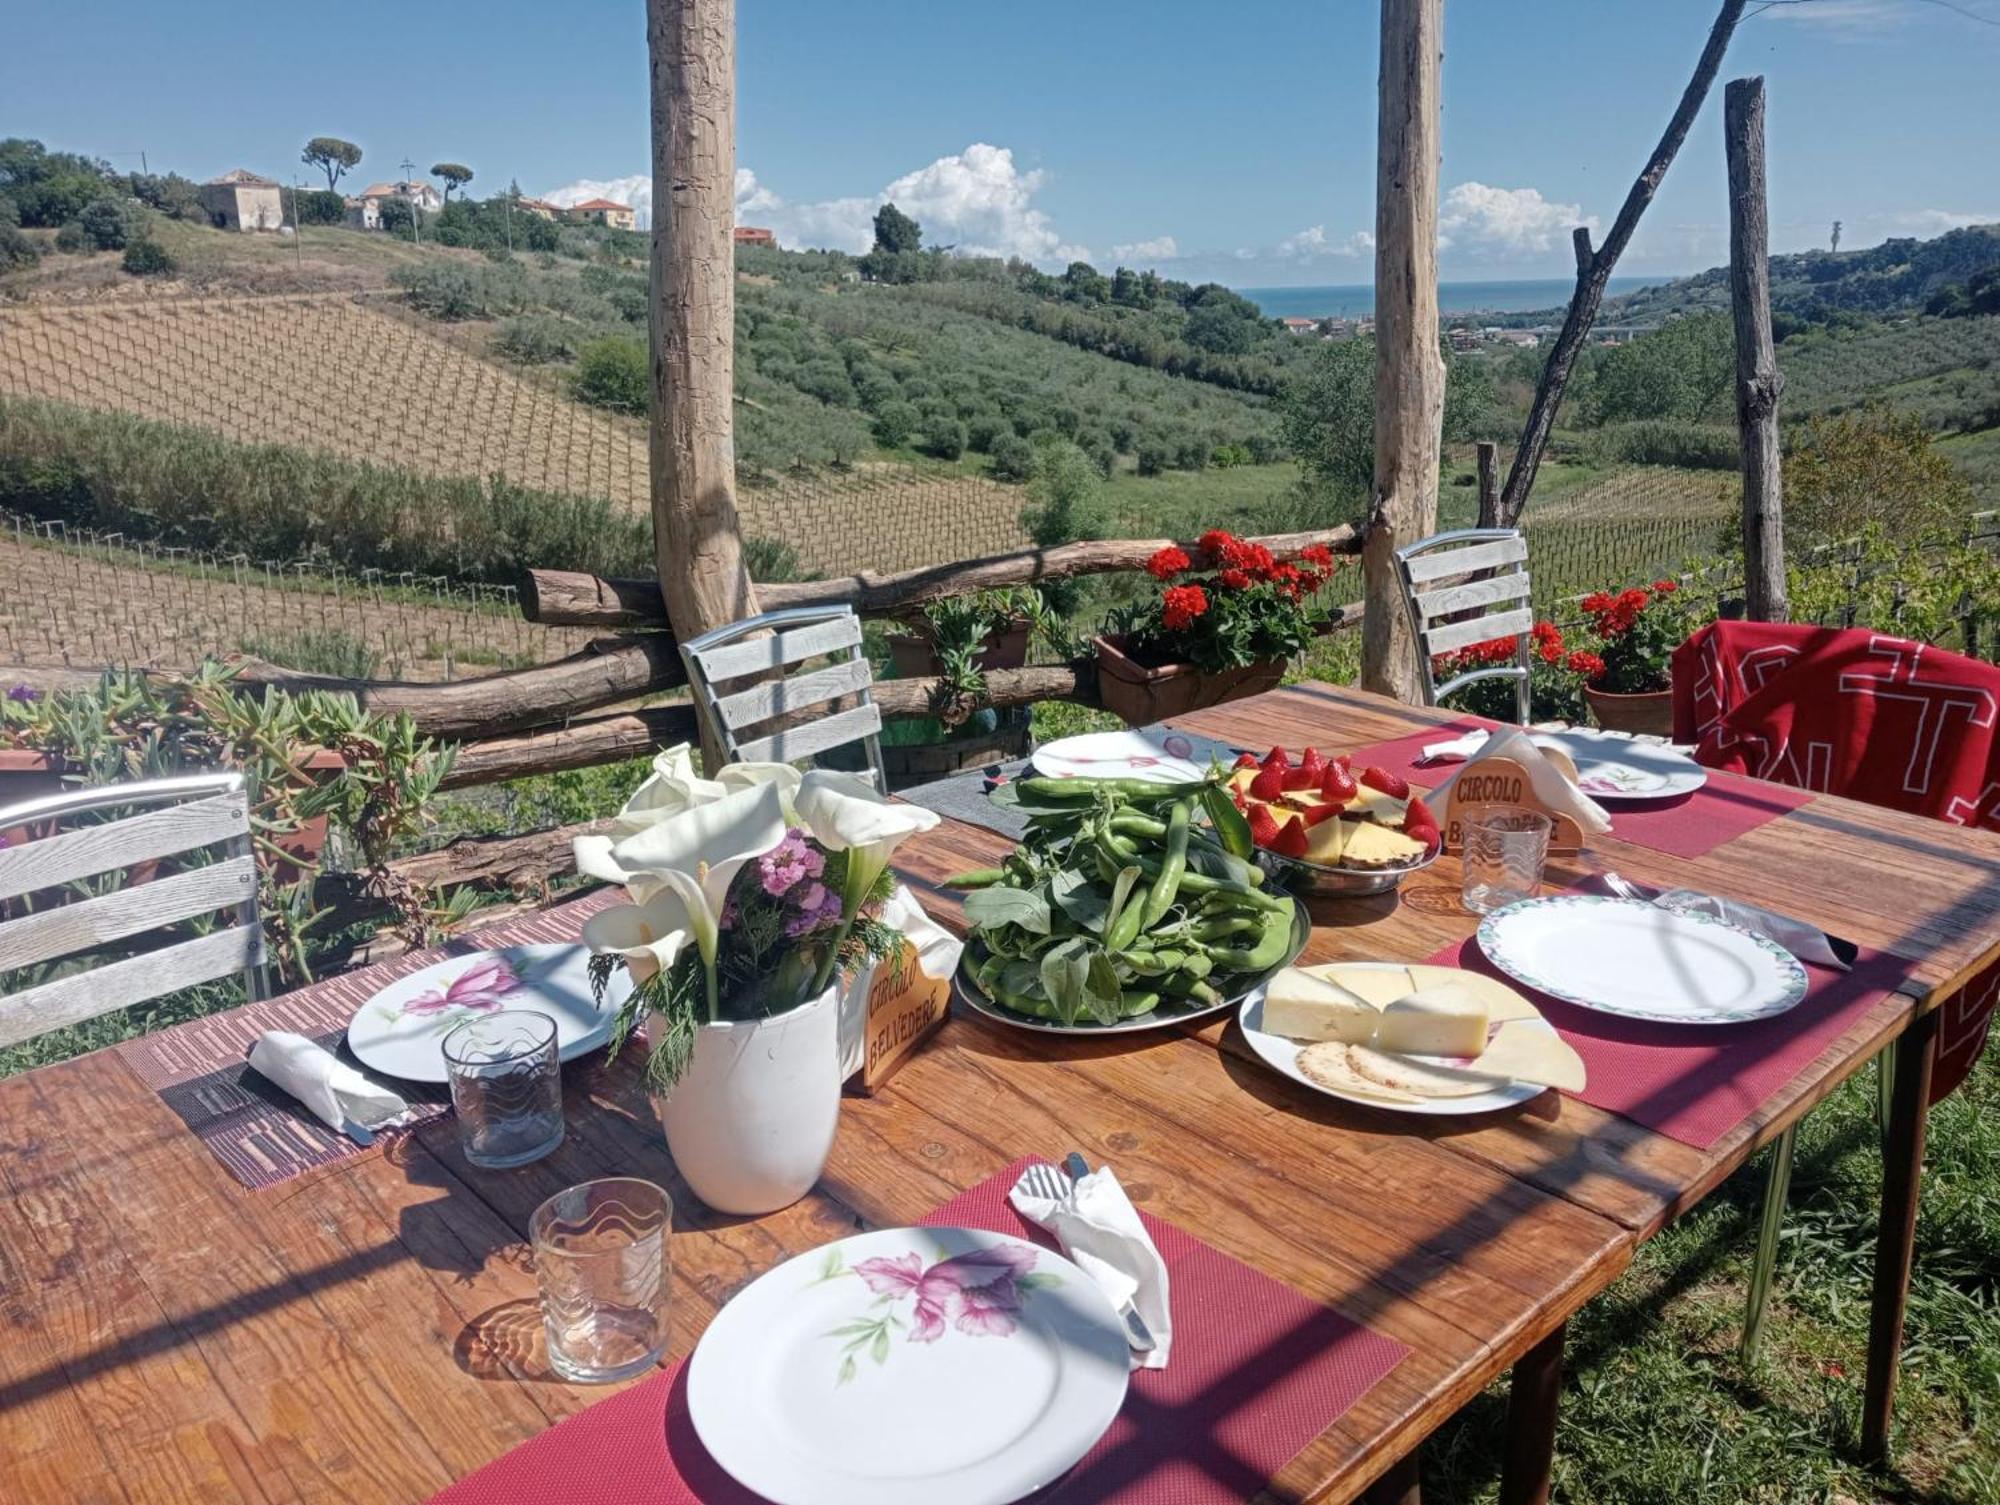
x: 368, y: 1332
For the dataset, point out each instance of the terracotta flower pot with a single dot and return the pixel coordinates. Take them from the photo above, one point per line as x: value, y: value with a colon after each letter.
x: 915, y: 653
x: 1649, y: 713
x: 1141, y: 695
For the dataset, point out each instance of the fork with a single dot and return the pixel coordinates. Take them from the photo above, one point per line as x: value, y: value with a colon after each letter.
x: 1051, y: 1185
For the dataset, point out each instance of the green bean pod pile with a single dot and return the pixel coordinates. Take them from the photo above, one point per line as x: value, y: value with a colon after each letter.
x: 1123, y: 895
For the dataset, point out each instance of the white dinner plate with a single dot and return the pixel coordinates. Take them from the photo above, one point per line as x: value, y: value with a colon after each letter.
x: 1612, y: 768
x: 1636, y: 960
x: 1281, y: 1054
x: 400, y: 1030
x: 909, y: 1366
x: 1169, y: 759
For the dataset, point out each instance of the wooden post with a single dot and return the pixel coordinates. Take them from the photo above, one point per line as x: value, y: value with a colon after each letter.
x: 696, y: 538
x: 1593, y: 269
x: 1489, y: 483
x: 1409, y: 369
x: 1758, y: 380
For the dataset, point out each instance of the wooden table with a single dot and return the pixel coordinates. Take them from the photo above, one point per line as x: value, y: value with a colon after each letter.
x: 367, y: 1332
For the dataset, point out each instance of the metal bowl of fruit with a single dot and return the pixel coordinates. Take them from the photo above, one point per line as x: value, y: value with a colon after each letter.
x: 1325, y: 828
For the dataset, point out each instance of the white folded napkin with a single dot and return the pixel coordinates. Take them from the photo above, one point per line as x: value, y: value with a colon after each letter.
x: 1807, y: 942
x: 1555, y: 791
x: 337, y: 1095
x: 1465, y: 744
x: 1097, y: 1227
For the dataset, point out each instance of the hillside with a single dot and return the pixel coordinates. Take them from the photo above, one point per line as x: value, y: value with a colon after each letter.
x: 1897, y: 277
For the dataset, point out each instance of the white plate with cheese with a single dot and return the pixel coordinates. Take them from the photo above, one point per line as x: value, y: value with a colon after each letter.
x: 1470, y: 1006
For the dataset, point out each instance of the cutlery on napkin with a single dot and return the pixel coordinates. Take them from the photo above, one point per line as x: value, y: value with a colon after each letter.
x: 335, y: 1093
x: 1807, y: 942
x: 1458, y: 749
x: 1552, y: 787
x: 1097, y: 1227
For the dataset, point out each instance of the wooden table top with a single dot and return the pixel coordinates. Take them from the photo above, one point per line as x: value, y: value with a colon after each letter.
x: 368, y: 1331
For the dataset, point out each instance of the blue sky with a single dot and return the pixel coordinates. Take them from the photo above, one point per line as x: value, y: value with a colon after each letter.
x: 1232, y: 142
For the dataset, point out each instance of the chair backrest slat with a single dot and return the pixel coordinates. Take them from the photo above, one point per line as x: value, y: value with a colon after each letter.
x: 814, y: 737
x: 84, y: 853
x: 85, y: 995
x: 783, y: 697
x: 1449, y: 637
x: 63, y: 931
x: 1464, y: 588
x: 794, y: 645
x: 782, y: 718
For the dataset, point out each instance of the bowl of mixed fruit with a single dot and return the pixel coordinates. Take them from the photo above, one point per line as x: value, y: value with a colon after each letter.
x: 1326, y: 827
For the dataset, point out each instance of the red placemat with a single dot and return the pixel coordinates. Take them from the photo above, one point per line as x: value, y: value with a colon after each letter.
x: 1258, y: 1371
x: 257, y: 1130
x: 1689, y: 826
x: 1696, y: 1082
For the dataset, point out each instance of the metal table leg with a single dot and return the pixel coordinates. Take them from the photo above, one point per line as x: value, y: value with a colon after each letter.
x: 1895, y: 1242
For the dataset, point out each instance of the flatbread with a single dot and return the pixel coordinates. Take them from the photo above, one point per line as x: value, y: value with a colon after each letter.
x: 1326, y: 1065
x: 1413, y: 1075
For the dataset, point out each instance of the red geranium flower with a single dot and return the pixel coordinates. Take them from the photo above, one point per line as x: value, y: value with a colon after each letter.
x: 1216, y: 543
x: 1236, y: 580
x: 1586, y: 663
x: 1548, y: 642
x: 1168, y: 561
x: 1181, y: 605
x: 1665, y: 587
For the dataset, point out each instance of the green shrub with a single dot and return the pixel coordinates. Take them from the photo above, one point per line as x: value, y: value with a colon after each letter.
x: 106, y: 224
x: 317, y: 206
x: 70, y: 239
x: 1013, y: 458
x: 1668, y: 441
x: 944, y: 437
x: 612, y: 373
x: 171, y: 194
x: 16, y: 250
x: 315, y: 651
x: 186, y: 486
x: 771, y: 561
x: 535, y: 339
x: 447, y: 290
x: 896, y: 424
x: 148, y: 258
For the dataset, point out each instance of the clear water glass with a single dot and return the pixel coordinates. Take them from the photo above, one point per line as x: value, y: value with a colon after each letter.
x: 1504, y: 852
x: 506, y: 1085
x: 606, y: 1274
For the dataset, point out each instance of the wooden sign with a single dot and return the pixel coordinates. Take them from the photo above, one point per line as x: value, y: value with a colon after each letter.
x: 1499, y: 782
x: 905, y: 1008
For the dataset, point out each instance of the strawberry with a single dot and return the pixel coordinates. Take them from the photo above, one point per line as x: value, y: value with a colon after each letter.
x: 1315, y: 765
x: 1245, y: 760
x: 1417, y: 813
x: 1275, y: 758
x: 1291, y: 838
x: 1392, y: 784
x: 1263, y: 828
x: 1269, y: 785
x: 1325, y: 810
x: 1337, y: 785
x: 1300, y: 777
x: 1237, y: 796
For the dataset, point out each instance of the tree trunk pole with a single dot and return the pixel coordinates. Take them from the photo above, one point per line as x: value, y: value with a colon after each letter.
x: 1758, y: 380
x: 1409, y: 369
x: 1489, y: 483
x: 696, y: 537
x: 1594, y: 267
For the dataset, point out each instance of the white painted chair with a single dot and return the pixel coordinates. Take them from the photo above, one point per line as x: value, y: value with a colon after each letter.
x: 174, y: 817
x: 769, y: 646
x: 1463, y: 588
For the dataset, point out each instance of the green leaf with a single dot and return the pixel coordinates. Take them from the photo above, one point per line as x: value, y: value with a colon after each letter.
x: 1065, y: 971
x: 1120, y: 892
x: 1082, y: 900
x: 1101, y: 988
x: 880, y: 1352
x: 990, y: 908
x: 846, y: 1370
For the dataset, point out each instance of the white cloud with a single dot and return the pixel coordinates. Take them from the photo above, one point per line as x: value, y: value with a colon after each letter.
x: 1313, y: 243
x: 1839, y: 16
x: 636, y: 190
x: 1140, y: 252
x: 1511, y: 221
x: 1932, y: 221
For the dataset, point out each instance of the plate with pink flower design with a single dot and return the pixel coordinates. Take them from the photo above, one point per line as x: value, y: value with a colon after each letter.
x: 909, y: 1366
x: 400, y: 1030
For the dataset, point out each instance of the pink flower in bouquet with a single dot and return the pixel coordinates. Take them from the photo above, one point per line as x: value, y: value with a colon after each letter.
x: 789, y: 863
x: 482, y: 988
x: 818, y: 906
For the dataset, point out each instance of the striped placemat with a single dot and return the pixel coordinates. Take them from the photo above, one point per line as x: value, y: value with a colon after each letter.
x: 259, y: 1133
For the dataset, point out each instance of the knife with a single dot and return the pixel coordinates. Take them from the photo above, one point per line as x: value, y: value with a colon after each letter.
x: 1843, y: 953
x: 1138, y: 1337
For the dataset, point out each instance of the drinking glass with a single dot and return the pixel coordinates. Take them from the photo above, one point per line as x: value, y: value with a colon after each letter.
x: 602, y: 1259
x: 1504, y: 852
x: 507, y: 1087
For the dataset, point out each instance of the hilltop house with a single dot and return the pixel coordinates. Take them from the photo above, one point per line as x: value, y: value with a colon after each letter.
x: 605, y: 212
x: 751, y: 235
x: 540, y: 208
x: 241, y: 200
x: 1300, y: 326
x: 364, y: 214
x: 422, y: 195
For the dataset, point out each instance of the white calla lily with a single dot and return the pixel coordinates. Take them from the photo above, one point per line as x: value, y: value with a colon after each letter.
x: 674, y: 785
x: 650, y: 936
x: 846, y: 814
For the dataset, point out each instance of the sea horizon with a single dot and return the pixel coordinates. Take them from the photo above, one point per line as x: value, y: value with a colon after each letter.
x: 1357, y: 300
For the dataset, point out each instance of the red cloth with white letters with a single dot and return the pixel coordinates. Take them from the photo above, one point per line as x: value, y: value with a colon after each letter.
x: 1853, y: 712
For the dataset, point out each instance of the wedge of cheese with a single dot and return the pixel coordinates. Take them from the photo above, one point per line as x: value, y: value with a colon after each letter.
x: 1379, y: 985
x: 1443, y: 1019
x: 1528, y: 1052
x: 1301, y: 1006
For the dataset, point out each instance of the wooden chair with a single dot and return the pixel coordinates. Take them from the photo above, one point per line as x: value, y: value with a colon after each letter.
x: 765, y: 647
x: 1463, y: 588
x: 176, y: 817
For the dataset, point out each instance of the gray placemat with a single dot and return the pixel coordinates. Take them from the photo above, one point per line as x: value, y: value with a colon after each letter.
x: 964, y: 796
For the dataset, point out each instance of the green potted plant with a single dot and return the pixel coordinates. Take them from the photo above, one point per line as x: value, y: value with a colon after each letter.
x: 998, y: 623
x: 1636, y: 631
x: 1211, y: 634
